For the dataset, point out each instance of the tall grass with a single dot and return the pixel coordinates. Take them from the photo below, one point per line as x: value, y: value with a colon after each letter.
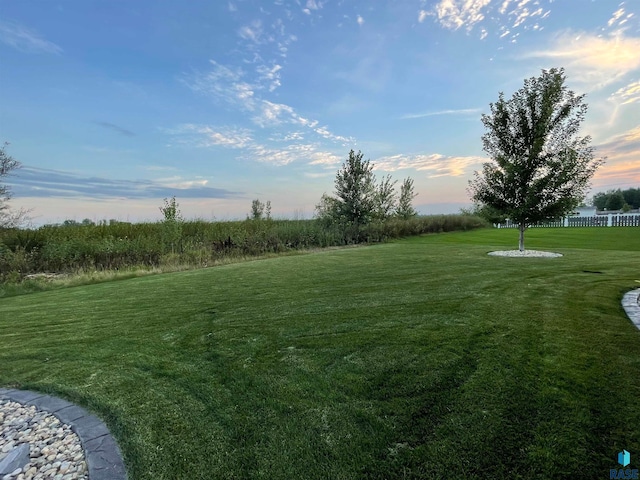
x: 125, y: 246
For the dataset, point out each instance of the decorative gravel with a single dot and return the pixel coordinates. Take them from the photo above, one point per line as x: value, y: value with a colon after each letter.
x: 525, y: 253
x: 55, y: 450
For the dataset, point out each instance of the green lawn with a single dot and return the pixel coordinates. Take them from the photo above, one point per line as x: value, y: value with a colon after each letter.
x: 421, y: 358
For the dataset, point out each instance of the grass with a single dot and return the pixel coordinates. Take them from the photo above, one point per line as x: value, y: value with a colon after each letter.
x: 421, y: 358
x: 82, y: 277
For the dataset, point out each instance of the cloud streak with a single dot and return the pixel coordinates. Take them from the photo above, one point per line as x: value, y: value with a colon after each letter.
x: 594, y: 60
x: 627, y: 94
x: 466, y: 14
x: 25, y: 40
x: 226, y: 85
x: 208, y: 136
x: 622, y: 152
x: 454, y: 14
x: 116, y: 128
x: 463, y: 111
x: 45, y: 183
x: 278, y: 155
x: 435, y: 164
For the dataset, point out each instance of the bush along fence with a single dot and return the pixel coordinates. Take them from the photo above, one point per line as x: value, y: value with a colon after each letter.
x: 608, y: 220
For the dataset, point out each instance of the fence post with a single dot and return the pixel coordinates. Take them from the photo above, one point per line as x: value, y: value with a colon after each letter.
x: 565, y: 222
x: 609, y: 220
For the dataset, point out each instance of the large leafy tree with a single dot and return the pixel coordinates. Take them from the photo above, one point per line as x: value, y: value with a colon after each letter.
x: 540, y: 167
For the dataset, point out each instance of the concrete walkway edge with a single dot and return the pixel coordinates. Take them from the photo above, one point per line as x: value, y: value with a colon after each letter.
x: 631, y: 305
x: 104, y: 460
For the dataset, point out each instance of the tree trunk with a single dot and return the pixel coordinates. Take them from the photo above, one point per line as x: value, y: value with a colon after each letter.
x: 521, y: 239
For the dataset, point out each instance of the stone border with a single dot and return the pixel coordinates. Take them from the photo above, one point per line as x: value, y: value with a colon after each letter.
x: 104, y: 461
x: 631, y: 305
x: 524, y: 254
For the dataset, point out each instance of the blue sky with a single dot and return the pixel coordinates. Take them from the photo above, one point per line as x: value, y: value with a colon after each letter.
x: 112, y: 106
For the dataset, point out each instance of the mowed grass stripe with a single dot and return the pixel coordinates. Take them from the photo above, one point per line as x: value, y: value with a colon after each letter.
x: 422, y: 358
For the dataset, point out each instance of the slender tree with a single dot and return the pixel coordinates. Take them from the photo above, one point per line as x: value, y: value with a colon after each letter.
x: 405, y: 207
x: 172, y: 223
x: 540, y: 167
x: 356, y: 190
x: 385, y: 198
x: 257, y: 210
x: 9, y: 218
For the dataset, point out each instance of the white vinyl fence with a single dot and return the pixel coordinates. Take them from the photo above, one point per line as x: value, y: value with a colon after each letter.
x: 609, y: 220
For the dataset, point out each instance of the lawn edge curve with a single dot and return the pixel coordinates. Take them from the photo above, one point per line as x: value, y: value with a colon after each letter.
x: 102, y: 454
x: 631, y: 305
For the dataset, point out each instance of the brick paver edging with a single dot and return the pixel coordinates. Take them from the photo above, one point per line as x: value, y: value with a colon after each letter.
x: 104, y: 461
x: 631, y: 305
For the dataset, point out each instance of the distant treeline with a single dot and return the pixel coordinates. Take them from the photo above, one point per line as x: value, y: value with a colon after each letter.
x: 86, y: 246
x: 617, y: 199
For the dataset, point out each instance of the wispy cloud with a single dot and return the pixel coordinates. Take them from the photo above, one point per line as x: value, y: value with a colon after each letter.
x: 40, y: 182
x: 157, y: 168
x: 312, y: 5
x: 508, y: 14
x: 454, y: 14
x: 623, y: 143
x: 223, y: 84
x: 21, y: 38
x: 519, y: 11
x: 275, y: 153
x: 622, y: 152
x: 228, y: 85
x: 275, y: 156
x: 360, y: 20
x: 325, y: 159
x: 208, y: 136
x: 619, y: 18
x: 436, y: 164
x: 252, y: 32
x: 325, y: 133
x: 116, y: 128
x: 594, y: 60
x: 273, y: 113
x: 616, y: 16
x: 463, y: 111
x: 309, y: 153
x: 627, y: 94
x: 269, y: 76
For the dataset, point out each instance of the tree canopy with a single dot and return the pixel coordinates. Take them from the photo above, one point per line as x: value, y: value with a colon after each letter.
x: 356, y: 190
x: 360, y: 200
x: 617, y: 199
x: 540, y: 167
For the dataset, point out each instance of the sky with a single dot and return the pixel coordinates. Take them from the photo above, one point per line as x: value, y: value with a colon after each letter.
x: 112, y: 106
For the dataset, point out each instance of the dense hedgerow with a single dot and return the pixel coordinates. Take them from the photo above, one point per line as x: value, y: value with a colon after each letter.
x: 120, y: 245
